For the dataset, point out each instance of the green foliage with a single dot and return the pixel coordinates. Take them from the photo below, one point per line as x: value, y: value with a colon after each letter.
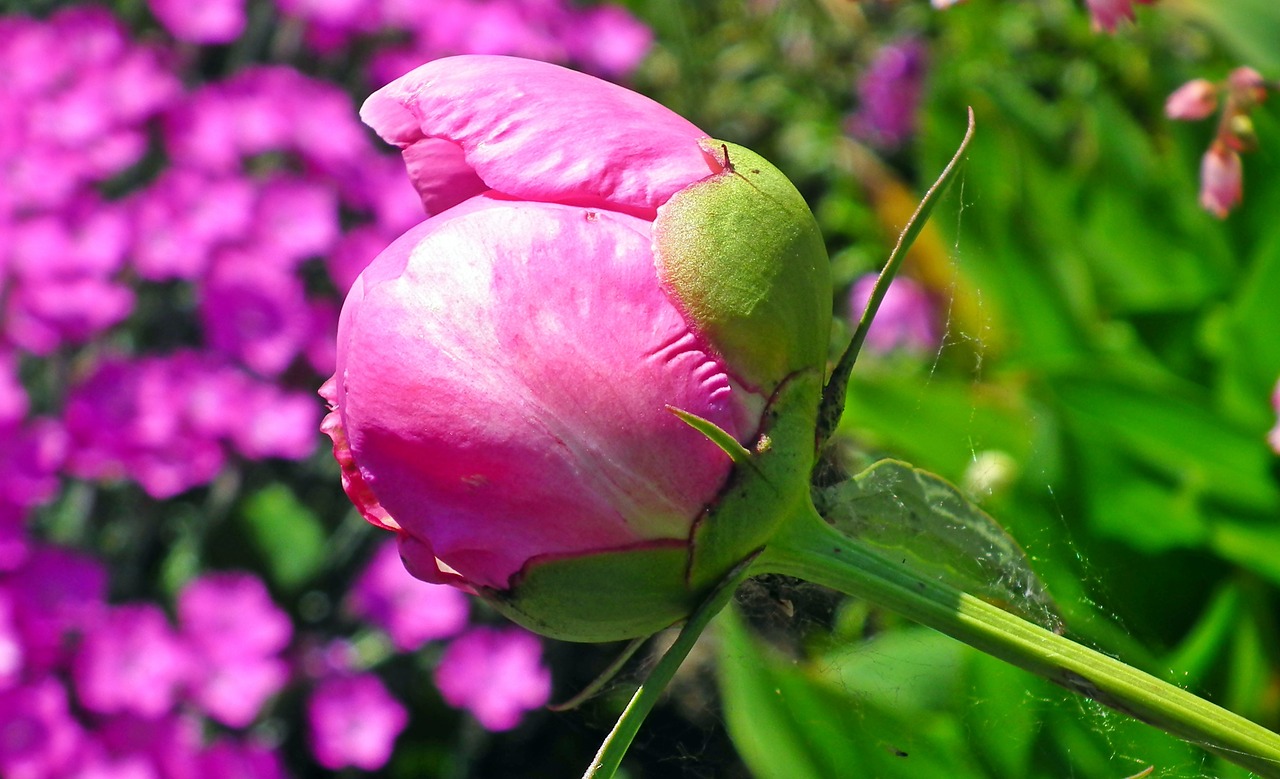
x: 286, y: 533
x: 1111, y: 355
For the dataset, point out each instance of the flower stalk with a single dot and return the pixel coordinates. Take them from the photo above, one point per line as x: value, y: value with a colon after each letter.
x: 810, y: 549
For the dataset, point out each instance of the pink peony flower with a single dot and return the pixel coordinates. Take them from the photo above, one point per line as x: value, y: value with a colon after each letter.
x: 506, y: 370
x: 496, y: 674
x: 354, y: 722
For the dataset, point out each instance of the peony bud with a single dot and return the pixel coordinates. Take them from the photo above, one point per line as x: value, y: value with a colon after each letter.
x: 507, y: 370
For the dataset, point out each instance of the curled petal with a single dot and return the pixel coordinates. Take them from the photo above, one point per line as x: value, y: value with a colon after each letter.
x: 536, y: 131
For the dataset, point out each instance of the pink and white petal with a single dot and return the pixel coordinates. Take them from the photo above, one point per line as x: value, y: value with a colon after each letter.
x: 537, y: 131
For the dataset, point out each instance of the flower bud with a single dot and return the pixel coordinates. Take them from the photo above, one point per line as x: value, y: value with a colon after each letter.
x: 507, y: 371
x: 1196, y: 99
x: 1220, y: 180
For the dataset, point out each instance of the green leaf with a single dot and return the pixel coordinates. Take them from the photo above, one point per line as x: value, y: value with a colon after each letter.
x: 916, y: 518
x: 286, y: 533
x: 842, y: 716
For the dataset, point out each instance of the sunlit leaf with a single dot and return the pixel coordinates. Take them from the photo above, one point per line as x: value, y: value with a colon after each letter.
x: 919, y: 519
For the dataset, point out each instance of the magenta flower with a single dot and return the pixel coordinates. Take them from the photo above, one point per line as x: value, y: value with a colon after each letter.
x: 496, y: 674
x: 63, y: 595
x: 412, y: 612
x: 889, y: 93
x: 39, y: 737
x: 209, y: 21
x: 354, y: 721
x: 236, y: 633
x: 906, y: 319
x: 131, y: 661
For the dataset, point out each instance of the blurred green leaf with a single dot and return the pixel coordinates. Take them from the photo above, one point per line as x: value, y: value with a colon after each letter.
x: 286, y: 533
x: 867, y: 712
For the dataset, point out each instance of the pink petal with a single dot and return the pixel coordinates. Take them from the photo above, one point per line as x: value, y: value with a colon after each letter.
x: 504, y: 376
x: 537, y: 131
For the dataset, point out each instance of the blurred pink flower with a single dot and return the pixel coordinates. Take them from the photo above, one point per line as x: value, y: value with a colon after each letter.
x: 1221, y: 185
x: 39, y: 737
x: 130, y: 419
x: 206, y: 21
x: 182, y: 217
x: 1196, y: 99
x: 267, y: 108
x: 11, y: 651
x: 254, y: 312
x: 907, y: 318
x: 236, y: 634
x: 354, y: 722
x: 130, y: 660
x: 1108, y: 14
x: 63, y: 594
x: 496, y: 674
x: 889, y: 93
x: 412, y: 612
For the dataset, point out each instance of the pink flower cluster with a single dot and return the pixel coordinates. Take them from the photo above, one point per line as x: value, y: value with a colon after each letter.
x: 172, y: 258
x: 602, y: 39
x: 89, y: 688
x: 1221, y: 171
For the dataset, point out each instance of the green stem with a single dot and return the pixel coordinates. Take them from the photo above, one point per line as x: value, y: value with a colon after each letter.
x: 808, y: 548
x: 624, y: 730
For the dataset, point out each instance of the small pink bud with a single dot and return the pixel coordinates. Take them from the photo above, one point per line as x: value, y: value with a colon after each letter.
x: 1247, y: 86
x: 1196, y: 99
x: 1108, y: 14
x: 1273, y: 437
x: 1220, y: 180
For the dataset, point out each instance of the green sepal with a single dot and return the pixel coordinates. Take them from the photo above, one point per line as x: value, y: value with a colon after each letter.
x: 742, y: 254
x: 765, y: 492
x: 716, y: 434
x: 601, y: 596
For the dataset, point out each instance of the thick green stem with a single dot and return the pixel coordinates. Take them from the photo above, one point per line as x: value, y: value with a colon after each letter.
x: 810, y: 549
x: 624, y: 730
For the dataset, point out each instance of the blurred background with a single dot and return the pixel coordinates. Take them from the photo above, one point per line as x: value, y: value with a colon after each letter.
x: 1086, y: 340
